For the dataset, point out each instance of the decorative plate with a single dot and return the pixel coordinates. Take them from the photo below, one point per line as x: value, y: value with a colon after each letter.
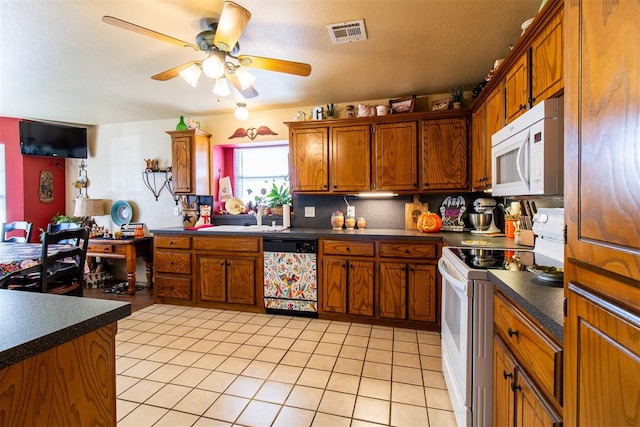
x: 121, y: 213
x: 550, y: 274
x: 234, y: 206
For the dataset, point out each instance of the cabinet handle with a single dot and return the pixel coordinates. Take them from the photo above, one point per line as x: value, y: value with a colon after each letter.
x: 335, y: 186
x: 515, y: 387
x: 406, y: 251
x: 426, y: 184
x: 522, y: 107
x: 348, y: 249
x: 505, y: 375
x: 325, y: 186
x: 171, y: 242
x: 511, y: 332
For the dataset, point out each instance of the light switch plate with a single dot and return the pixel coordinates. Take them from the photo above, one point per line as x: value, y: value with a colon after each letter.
x: 351, y: 211
x: 309, y: 211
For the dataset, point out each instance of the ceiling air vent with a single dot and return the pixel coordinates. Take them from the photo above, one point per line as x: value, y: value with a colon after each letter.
x: 346, y: 32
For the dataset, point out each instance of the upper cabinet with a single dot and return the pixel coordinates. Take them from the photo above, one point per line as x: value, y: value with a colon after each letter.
x: 190, y: 162
x: 444, y: 154
x: 380, y: 153
x: 309, y: 159
x: 546, y: 61
x: 516, y: 85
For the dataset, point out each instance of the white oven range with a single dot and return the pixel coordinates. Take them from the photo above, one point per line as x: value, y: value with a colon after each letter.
x: 467, y: 313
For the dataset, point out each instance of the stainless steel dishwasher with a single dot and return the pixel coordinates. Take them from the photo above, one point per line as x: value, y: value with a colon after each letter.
x: 291, y: 277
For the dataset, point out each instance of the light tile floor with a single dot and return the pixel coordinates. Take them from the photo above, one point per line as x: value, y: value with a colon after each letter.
x: 185, y: 366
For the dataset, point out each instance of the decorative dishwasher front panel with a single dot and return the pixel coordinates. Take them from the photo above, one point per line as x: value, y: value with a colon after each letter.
x: 290, y: 281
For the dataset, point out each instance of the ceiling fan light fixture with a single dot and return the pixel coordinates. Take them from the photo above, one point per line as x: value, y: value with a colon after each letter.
x: 191, y: 74
x: 245, y: 78
x: 213, y: 66
x: 221, y: 87
x: 241, y: 112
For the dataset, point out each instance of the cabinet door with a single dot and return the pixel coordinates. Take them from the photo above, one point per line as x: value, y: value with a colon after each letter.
x: 181, y: 164
x: 546, y: 62
x: 479, y: 152
x: 422, y: 292
x: 393, y: 290
x: 309, y: 165
x: 241, y: 280
x: 396, y: 146
x: 494, y: 122
x: 334, y: 285
x: 212, y: 277
x: 517, y: 89
x: 532, y: 409
x: 444, y: 154
x: 351, y: 158
x: 504, y: 369
x: 360, y: 285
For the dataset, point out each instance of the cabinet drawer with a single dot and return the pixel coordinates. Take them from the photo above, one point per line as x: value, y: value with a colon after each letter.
x: 101, y: 249
x: 538, y: 354
x: 172, y: 262
x: 172, y: 286
x: 173, y: 242
x: 408, y: 250
x: 228, y: 244
x: 347, y: 247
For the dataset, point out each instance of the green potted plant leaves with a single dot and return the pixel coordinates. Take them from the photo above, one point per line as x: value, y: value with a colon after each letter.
x: 277, y: 196
x: 457, y: 95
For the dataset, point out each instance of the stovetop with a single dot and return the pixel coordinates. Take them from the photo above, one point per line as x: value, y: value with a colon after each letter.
x: 502, y: 259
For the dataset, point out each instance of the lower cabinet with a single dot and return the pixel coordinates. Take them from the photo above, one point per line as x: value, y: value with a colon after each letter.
x: 172, y: 265
x: 527, y: 371
x: 381, y: 279
x: 226, y: 279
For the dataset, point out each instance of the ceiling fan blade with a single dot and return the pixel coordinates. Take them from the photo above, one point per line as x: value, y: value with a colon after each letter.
x: 278, y: 65
x: 233, y: 19
x: 248, y: 93
x: 173, y: 72
x: 147, y: 32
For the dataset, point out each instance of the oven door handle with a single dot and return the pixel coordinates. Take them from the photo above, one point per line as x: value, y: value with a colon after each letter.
x: 458, y: 285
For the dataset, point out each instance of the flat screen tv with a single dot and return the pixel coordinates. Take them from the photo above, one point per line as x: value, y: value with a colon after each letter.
x: 45, y: 139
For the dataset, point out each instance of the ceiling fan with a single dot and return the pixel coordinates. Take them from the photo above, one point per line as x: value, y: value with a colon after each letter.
x: 220, y: 42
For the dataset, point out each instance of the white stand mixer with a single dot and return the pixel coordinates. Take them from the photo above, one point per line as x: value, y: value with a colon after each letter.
x: 486, y: 206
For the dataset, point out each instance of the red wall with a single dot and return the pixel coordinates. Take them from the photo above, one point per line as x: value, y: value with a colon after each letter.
x: 23, y: 181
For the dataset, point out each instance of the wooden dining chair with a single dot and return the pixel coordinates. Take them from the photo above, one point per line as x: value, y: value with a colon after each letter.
x: 61, y: 270
x: 54, y: 228
x: 23, y: 227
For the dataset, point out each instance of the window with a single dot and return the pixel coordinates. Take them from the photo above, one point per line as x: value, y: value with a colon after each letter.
x: 256, y: 168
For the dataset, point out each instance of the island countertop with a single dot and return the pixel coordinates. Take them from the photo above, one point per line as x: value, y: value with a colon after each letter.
x: 33, y: 322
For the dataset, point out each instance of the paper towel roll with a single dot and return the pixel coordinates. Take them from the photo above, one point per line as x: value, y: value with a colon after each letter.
x: 286, y: 216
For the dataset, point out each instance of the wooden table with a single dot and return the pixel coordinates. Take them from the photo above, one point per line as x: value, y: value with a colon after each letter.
x: 129, y: 250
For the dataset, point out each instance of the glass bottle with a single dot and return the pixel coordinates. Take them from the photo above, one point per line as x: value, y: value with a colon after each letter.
x: 181, y: 125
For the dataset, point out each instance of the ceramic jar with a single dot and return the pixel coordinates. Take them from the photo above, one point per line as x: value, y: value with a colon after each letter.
x: 361, y: 222
x: 350, y: 222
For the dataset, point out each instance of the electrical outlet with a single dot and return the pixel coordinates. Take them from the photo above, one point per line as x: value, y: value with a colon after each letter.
x: 309, y: 211
x: 176, y: 211
x: 351, y: 211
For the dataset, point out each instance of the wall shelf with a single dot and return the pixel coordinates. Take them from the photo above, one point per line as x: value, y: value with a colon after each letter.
x: 157, y: 180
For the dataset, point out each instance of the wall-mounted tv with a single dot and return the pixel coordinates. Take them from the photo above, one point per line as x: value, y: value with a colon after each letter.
x: 45, y: 139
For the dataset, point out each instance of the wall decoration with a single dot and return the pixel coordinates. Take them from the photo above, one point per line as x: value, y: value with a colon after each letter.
x: 83, y: 181
x: 46, y: 187
x: 451, y: 211
x: 251, y: 133
x: 440, y: 104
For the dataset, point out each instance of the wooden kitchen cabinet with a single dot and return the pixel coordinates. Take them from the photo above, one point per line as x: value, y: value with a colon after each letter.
x: 224, y: 279
x: 546, y: 61
x: 602, y: 255
x: 190, y: 162
x: 347, y: 275
x: 516, y: 88
x: 395, y: 150
x: 480, y: 151
x: 444, y: 151
x: 172, y: 266
x: 350, y: 158
x: 309, y: 160
x: 529, y: 363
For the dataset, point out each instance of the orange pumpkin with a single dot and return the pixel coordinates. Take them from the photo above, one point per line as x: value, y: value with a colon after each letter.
x: 429, y: 223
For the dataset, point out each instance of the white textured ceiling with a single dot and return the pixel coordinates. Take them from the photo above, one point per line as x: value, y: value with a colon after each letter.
x: 59, y: 61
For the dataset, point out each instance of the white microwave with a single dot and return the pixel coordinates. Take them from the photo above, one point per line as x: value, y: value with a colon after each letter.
x: 527, y: 155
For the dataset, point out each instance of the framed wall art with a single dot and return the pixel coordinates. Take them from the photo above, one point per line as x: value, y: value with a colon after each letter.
x: 402, y: 105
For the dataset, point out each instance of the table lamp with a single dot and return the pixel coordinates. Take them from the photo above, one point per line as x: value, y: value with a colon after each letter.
x: 86, y: 208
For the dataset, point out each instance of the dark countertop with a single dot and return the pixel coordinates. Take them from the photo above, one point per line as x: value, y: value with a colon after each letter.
x: 449, y: 238
x: 33, y: 322
x: 542, y: 301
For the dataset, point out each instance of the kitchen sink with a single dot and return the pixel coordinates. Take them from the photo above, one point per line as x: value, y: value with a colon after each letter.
x: 243, y: 228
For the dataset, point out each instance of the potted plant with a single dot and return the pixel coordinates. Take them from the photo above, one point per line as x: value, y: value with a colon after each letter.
x: 457, y: 94
x: 277, y: 196
x: 331, y: 110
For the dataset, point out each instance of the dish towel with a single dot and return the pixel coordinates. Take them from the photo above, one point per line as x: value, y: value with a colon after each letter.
x: 225, y: 191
